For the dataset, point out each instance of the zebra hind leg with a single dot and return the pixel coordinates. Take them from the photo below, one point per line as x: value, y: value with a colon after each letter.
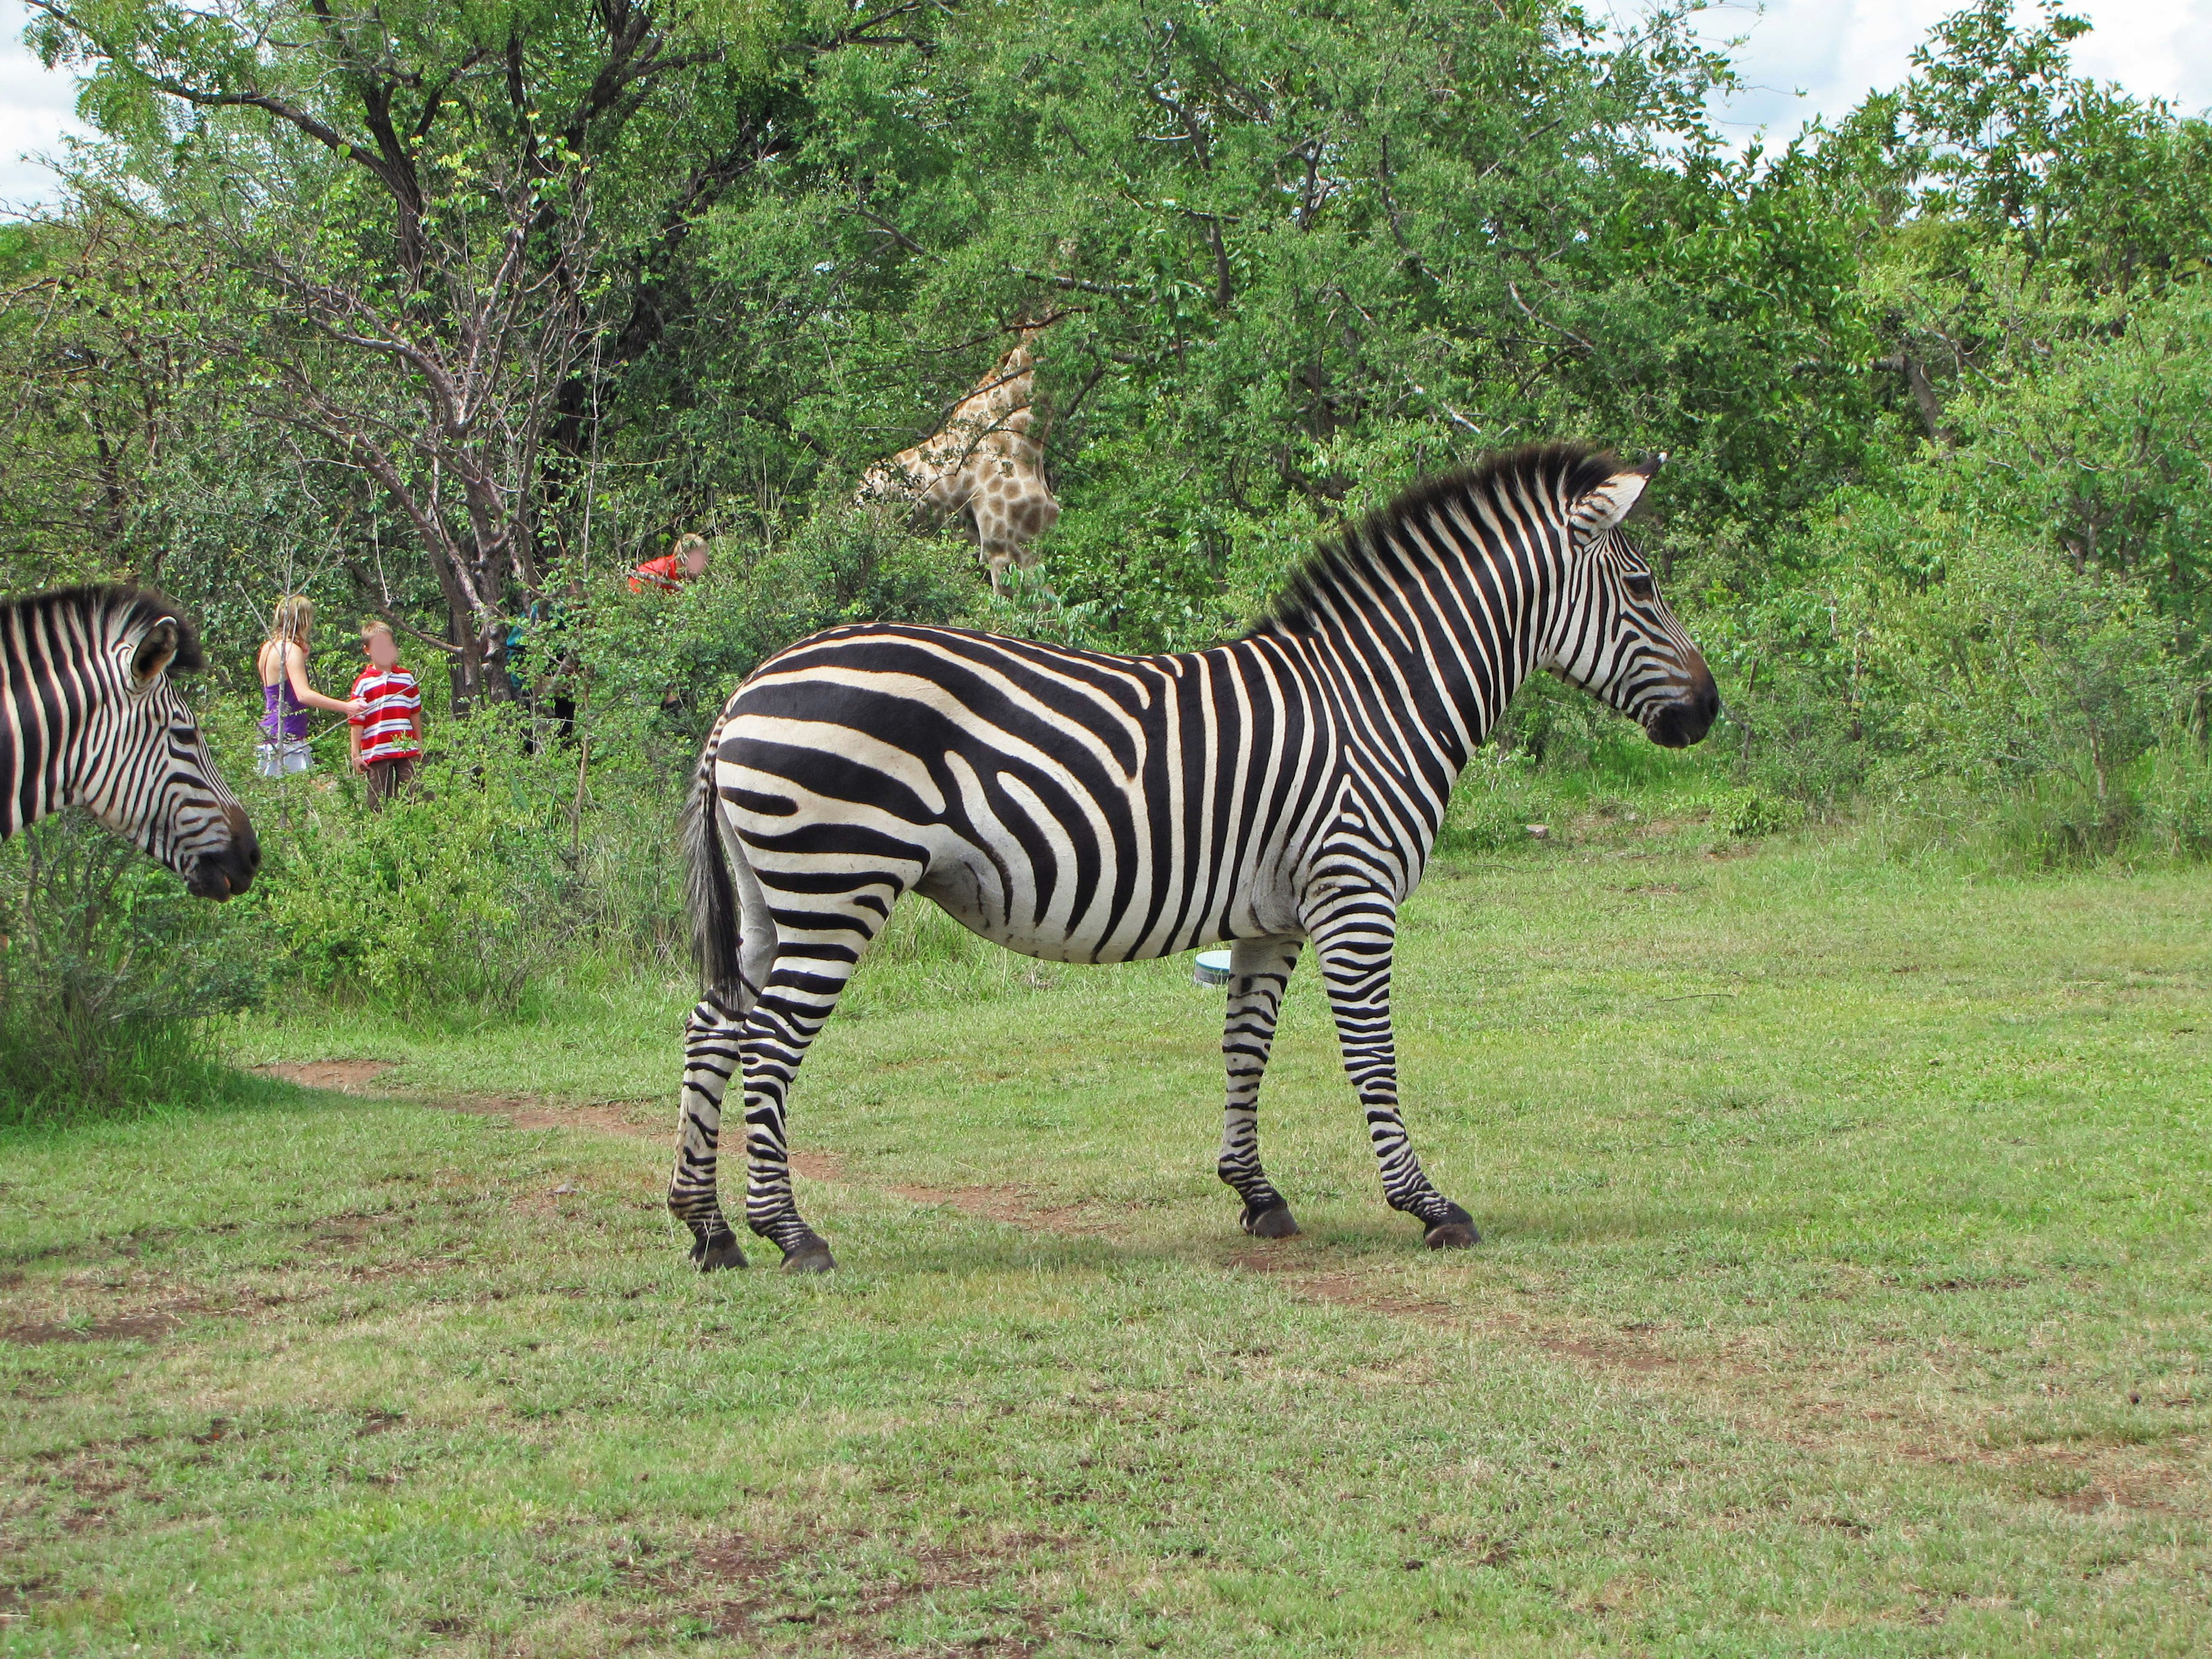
x: 812, y: 967
x: 1259, y: 968
x: 712, y: 1050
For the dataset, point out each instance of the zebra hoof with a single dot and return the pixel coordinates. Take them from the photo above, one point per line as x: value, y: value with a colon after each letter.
x: 1452, y: 1235
x: 712, y: 1255
x: 811, y: 1257
x: 1274, y: 1223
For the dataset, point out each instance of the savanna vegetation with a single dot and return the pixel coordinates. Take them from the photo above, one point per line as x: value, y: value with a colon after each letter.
x: 1831, y: 1095
x: 453, y: 314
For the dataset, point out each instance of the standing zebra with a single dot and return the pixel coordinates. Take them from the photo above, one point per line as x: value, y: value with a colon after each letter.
x: 89, y: 718
x: 1083, y: 807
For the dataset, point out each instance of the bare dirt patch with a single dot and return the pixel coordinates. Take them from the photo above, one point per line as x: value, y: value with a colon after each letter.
x: 1350, y: 1289
x: 2082, y: 1482
x: 348, y: 1077
x: 1014, y: 1206
x: 606, y: 1117
x: 1626, y: 1353
x: 1346, y: 1289
x: 81, y: 1487
x: 769, y: 1600
x: 151, y: 1327
x: 354, y: 1077
x: 1613, y: 1355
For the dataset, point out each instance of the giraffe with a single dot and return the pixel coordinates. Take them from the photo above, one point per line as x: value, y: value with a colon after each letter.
x: 983, y: 462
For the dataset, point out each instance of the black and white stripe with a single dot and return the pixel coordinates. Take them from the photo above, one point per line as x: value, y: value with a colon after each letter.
x: 1284, y: 789
x: 89, y: 718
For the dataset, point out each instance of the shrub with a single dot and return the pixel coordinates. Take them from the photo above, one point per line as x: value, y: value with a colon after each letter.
x: 1747, y: 814
x: 109, y: 973
x: 660, y: 665
x: 1498, y: 797
x: 492, y: 869
x: 2176, y: 797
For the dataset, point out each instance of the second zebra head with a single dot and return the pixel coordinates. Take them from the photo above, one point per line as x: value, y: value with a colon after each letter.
x: 1613, y: 633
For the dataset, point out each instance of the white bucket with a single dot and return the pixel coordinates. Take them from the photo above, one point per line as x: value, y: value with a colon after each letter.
x: 1212, y: 968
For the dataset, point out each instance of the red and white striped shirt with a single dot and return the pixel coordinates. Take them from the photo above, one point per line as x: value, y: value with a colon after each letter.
x: 395, y: 703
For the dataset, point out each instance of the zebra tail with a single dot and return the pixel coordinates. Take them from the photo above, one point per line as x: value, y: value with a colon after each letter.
x: 717, y: 924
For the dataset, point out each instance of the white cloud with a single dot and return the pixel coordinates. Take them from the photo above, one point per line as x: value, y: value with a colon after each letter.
x: 37, y: 107
x: 1807, y: 57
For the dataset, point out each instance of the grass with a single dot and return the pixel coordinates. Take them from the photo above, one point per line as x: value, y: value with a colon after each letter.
x: 1844, y: 1290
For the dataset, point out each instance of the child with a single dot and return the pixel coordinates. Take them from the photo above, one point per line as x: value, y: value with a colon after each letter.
x: 665, y: 574
x: 388, y: 737
x: 286, y: 696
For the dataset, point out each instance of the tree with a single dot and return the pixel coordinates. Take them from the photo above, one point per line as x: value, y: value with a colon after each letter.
x: 91, y: 407
x: 415, y: 207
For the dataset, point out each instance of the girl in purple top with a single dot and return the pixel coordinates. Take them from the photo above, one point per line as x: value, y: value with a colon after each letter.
x: 286, y: 696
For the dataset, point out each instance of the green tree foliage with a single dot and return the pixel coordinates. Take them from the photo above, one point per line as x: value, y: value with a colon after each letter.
x: 1932, y: 379
x: 413, y: 221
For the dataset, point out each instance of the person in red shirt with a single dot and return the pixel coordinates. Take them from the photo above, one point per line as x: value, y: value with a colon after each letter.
x: 387, y: 736
x: 665, y: 574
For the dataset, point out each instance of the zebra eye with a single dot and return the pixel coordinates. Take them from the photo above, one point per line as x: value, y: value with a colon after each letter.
x: 1640, y: 586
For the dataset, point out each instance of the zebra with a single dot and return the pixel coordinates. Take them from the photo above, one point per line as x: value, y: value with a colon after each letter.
x: 1283, y: 788
x: 89, y: 718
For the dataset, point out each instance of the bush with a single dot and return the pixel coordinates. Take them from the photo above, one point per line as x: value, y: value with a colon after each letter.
x: 1497, y: 798
x: 2176, y: 797
x: 659, y: 667
x: 109, y: 973
x: 1747, y: 814
x: 494, y: 868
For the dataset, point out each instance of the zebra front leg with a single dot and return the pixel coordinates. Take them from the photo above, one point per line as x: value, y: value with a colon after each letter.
x: 713, y: 1050
x: 1260, y: 968
x: 1352, y: 935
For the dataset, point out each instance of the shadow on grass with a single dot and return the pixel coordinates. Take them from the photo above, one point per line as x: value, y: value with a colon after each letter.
x: 223, y: 1092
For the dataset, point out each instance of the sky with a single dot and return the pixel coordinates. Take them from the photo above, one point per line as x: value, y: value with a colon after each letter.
x: 1802, y: 58
x: 1807, y: 57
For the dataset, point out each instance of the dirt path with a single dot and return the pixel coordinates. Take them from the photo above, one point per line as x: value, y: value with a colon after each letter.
x: 1802, y: 1410
x: 625, y: 1118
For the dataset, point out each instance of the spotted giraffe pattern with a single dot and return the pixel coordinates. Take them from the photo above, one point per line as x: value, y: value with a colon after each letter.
x: 985, y: 462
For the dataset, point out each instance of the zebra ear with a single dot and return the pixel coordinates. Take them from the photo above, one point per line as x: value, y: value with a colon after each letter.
x: 1608, y: 504
x: 157, y: 649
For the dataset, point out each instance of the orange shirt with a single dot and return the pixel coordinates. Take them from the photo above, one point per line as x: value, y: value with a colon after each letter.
x: 664, y: 575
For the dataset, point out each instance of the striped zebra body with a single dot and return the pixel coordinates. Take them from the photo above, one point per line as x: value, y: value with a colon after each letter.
x: 1284, y: 789
x: 88, y: 717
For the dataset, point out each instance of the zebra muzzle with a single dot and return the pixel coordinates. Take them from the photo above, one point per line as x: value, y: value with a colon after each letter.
x: 229, y: 869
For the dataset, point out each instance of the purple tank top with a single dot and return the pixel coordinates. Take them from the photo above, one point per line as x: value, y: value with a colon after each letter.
x: 283, y: 715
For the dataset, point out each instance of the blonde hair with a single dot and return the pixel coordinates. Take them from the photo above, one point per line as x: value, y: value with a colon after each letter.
x: 372, y: 626
x: 690, y: 539
x: 294, y: 620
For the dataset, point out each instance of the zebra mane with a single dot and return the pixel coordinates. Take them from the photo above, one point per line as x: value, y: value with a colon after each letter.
x: 1563, y: 471
x: 130, y: 605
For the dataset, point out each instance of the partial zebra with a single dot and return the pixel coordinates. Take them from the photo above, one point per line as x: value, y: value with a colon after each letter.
x: 1082, y: 807
x: 89, y: 718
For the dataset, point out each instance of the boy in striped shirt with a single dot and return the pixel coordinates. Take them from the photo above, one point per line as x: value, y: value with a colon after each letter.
x: 387, y: 739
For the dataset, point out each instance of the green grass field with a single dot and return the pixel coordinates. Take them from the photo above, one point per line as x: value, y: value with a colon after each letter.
x: 1844, y: 1290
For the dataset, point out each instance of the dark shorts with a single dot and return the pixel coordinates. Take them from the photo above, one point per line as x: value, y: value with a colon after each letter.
x: 387, y: 777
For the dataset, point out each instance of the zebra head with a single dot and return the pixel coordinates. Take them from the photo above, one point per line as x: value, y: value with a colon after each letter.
x: 142, y: 767
x: 1613, y: 635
